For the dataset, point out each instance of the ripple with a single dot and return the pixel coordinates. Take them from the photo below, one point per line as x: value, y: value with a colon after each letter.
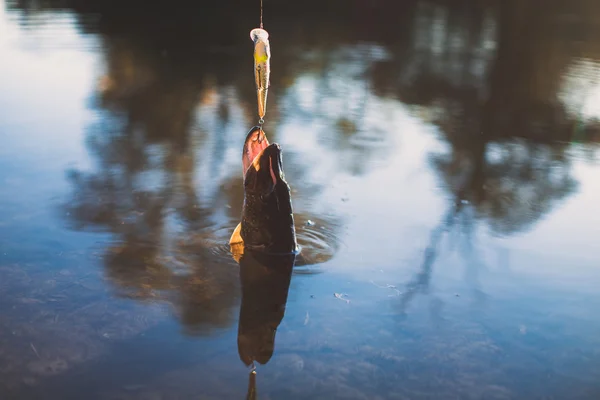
x: 217, y: 242
x: 317, y: 242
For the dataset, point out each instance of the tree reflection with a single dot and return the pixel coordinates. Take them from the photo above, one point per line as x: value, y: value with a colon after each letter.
x: 141, y: 187
x: 177, y: 84
x: 161, y: 183
x: 507, y: 129
x: 500, y: 113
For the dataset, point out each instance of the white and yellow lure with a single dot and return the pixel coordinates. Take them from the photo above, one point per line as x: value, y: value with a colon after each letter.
x: 262, y: 68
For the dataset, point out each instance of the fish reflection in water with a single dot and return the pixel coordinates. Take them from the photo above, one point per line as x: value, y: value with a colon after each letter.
x: 265, y: 281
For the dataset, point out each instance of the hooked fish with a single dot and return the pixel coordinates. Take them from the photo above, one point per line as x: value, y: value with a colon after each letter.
x: 267, y: 223
x: 262, y: 67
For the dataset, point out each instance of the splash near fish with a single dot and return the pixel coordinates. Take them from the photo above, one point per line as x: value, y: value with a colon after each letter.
x: 262, y: 68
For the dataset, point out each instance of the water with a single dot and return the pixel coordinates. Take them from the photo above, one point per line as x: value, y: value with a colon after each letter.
x: 445, y: 152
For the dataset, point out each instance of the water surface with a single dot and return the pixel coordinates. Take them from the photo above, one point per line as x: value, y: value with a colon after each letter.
x: 444, y: 162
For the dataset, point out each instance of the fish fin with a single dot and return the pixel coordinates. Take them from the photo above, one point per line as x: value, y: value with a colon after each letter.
x: 236, y: 243
x: 236, y: 236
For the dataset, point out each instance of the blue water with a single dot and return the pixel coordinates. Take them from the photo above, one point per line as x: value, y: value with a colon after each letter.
x: 446, y: 153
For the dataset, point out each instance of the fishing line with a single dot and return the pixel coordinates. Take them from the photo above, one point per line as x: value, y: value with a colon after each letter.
x: 261, y: 14
x: 261, y: 65
x: 261, y: 121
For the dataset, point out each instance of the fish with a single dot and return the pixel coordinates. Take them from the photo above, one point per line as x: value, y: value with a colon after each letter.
x: 262, y: 67
x: 267, y: 220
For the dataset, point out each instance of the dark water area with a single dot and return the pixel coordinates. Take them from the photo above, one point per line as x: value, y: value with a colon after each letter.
x: 444, y: 161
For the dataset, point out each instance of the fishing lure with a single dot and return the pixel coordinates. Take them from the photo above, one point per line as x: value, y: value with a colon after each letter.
x: 262, y: 68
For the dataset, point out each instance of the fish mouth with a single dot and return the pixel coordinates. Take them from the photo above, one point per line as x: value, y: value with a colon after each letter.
x: 261, y: 158
x: 256, y: 141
